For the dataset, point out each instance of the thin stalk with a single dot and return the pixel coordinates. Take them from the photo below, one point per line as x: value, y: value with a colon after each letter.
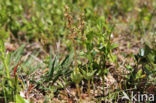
x: 93, y: 86
x: 88, y: 85
x: 6, y: 71
x: 89, y: 88
x: 103, y: 84
x: 79, y: 93
x: 73, y: 34
x: 6, y: 68
x: 103, y: 76
x: 92, y: 80
x: 76, y: 70
x: 4, y: 91
x: 75, y: 55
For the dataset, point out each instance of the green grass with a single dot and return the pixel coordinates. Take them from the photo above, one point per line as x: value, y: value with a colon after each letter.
x: 76, y: 50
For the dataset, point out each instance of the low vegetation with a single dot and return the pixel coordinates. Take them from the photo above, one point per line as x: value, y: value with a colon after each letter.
x: 77, y: 51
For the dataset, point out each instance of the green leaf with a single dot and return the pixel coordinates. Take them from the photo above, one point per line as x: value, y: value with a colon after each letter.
x: 76, y: 77
x: 52, y: 68
x: 19, y: 99
x: 3, y: 34
x: 114, y: 46
x: 2, y: 47
x: 65, y: 60
x: 139, y: 73
x: 50, y: 59
x: 106, y: 71
x: 88, y: 75
x: 8, y: 59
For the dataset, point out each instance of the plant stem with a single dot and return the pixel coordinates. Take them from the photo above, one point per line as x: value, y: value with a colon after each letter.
x: 4, y: 90
x: 6, y: 67
x: 89, y: 88
x: 88, y: 84
x: 93, y: 86
x: 76, y: 70
x: 103, y: 80
x: 79, y: 93
x: 75, y: 55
